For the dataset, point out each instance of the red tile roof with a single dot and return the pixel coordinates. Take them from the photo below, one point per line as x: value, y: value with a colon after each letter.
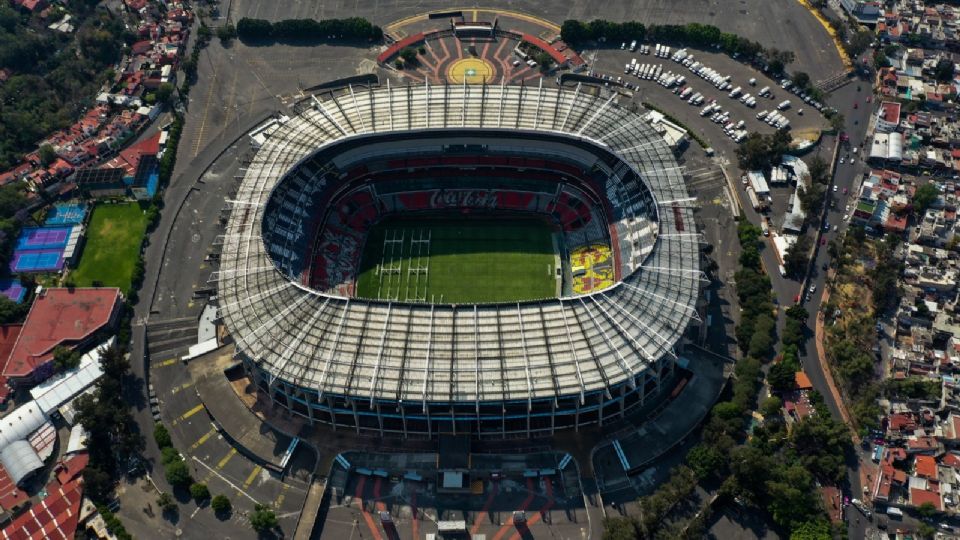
x: 926, y: 467
x: 10, y: 495
x: 59, y: 317
x: 54, y: 517
x: 951, y: 460
x: 72, y: 467
x: 802, y: 381
x: 890, y: 111
x: 920, y: 496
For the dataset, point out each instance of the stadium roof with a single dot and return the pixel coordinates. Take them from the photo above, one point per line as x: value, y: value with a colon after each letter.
x: 59, y: 317
x: 396, y: 351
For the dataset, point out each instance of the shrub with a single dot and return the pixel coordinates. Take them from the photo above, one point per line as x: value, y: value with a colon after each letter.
x: 199, y: 492
x: 221, y: 504
x: 178, y: 474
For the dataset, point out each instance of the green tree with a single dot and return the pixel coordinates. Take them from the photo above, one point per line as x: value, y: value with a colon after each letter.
x: 164, y: 93
x: 11, y: 311
x: 925, y: 196
x: 818, y: 529
x: 798, y: 255
x: 943, y: 72
x: 65, y: 358
x: 770, y: 408
x: 925, y: 530
x: 619, y: 528
x: 47, y: 155
x: 199, y: 492
x: 221, y: 504
x: 801, y: 80
x: 837, y: 122
x: 177, y: 473
x: 927, y: 509
x: 162, y: 436
x: 409, y: 55
x: 262, y: 518
x: 166, y: 502
x: 781, y: 376
x: 706, y: 461
x: 227, y: 33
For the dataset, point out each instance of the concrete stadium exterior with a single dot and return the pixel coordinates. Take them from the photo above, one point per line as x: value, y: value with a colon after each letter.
x: 493, y: 370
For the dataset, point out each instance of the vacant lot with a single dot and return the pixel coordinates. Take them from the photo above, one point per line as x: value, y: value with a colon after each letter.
x: 112, y: 247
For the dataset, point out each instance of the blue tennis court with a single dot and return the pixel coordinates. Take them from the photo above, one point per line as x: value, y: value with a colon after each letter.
x: 66, y: 214
x: 12, y: 289
x: 45, y: 238
x: 37, y: 261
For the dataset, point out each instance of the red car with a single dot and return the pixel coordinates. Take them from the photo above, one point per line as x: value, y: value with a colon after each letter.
x: 844, y: 191
x: 823, y: 240
x: 856, y: 105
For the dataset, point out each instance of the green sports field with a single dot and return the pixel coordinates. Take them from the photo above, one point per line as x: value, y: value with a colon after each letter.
x: 112, y: 247
x: 458, y: 260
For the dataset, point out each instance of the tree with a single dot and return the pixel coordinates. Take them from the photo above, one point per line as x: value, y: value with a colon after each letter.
x: 221, y: 504
x: 812, y: 530
x: 543, y: 59
x: 262, y: 518
x: 162, y: 436
x: 923, y: 197
x: 409, y: 55
x: 178, y: 474
x: 164, y: 93
x: 65, y: 358
x: 943, y: 72
x: 227, y: 33
x: 770, y: 407
x: 199, y: 492
x: 927, y: 509
x: 11, y: 311
x: 166, y: 502
x: 619, y: 528
x: 811, y: 200
x: 782, y: 376
x: 47, y: 155
x: 819, y: 170
x: 801, y: 80
x: 797, y: 256
x: 837, y: 122
x: 705, y: 460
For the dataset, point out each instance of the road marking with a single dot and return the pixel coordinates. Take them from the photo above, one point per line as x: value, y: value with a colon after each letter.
x: 279, y: 500
x: 226, y: 458
x: 203, y: 439
x: 206, y: 109
x: 253, y: 474
x: 180, y: 388
x: 188, y: 414
x: 220, y: 476
x: 164, y: 363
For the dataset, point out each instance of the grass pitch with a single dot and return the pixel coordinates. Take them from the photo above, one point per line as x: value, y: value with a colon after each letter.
x: 112, y: 247
x: 459, y: 260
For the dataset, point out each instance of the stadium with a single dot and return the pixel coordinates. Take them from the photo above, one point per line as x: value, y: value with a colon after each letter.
x: 493, y: 260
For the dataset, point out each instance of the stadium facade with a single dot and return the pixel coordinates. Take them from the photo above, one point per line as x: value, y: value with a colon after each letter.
x: 285, y: 288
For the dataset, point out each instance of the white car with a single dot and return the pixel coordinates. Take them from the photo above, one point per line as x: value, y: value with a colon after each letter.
x: 834, y: 188
x: 842, y: 161
x: 846, y: 217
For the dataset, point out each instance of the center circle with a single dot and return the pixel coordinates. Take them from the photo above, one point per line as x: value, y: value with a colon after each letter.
x: 471, y: 70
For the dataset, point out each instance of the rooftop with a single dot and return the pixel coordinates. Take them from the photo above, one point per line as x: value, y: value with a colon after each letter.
x: 59, y: 317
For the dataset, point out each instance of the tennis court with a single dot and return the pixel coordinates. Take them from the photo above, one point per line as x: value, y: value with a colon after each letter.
x: 66, y: 214
x: 43, y: 238
x: 12, y: 289
x: 37, y: 260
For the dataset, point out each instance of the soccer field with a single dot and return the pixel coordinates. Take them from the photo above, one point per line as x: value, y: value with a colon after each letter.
x: 113, y: 246
x: 459, y: 260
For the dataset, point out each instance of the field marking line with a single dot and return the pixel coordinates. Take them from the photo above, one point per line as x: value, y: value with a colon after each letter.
x: 188, y: 414
x: 283, y: 494
x: 225, y: 479
x: 203, y: 438
x: 182, y: 387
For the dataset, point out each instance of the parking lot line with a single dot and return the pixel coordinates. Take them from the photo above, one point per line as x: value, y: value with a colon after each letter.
x: 188, y: 414
x: 485, y: 511
x: 281, y: 496
x: 363, y: 510
x: 509, y: 525
x: 182, y: 387
x: 223, y: 461
x: 548, y: 484
x: 164, y: 363
x: 253, y: 474
x: 203, y: 439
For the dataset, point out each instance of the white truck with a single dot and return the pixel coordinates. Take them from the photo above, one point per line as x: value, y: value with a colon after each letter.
x: 735, y: 92
x: 784, y: 105
x: 764, y: 91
